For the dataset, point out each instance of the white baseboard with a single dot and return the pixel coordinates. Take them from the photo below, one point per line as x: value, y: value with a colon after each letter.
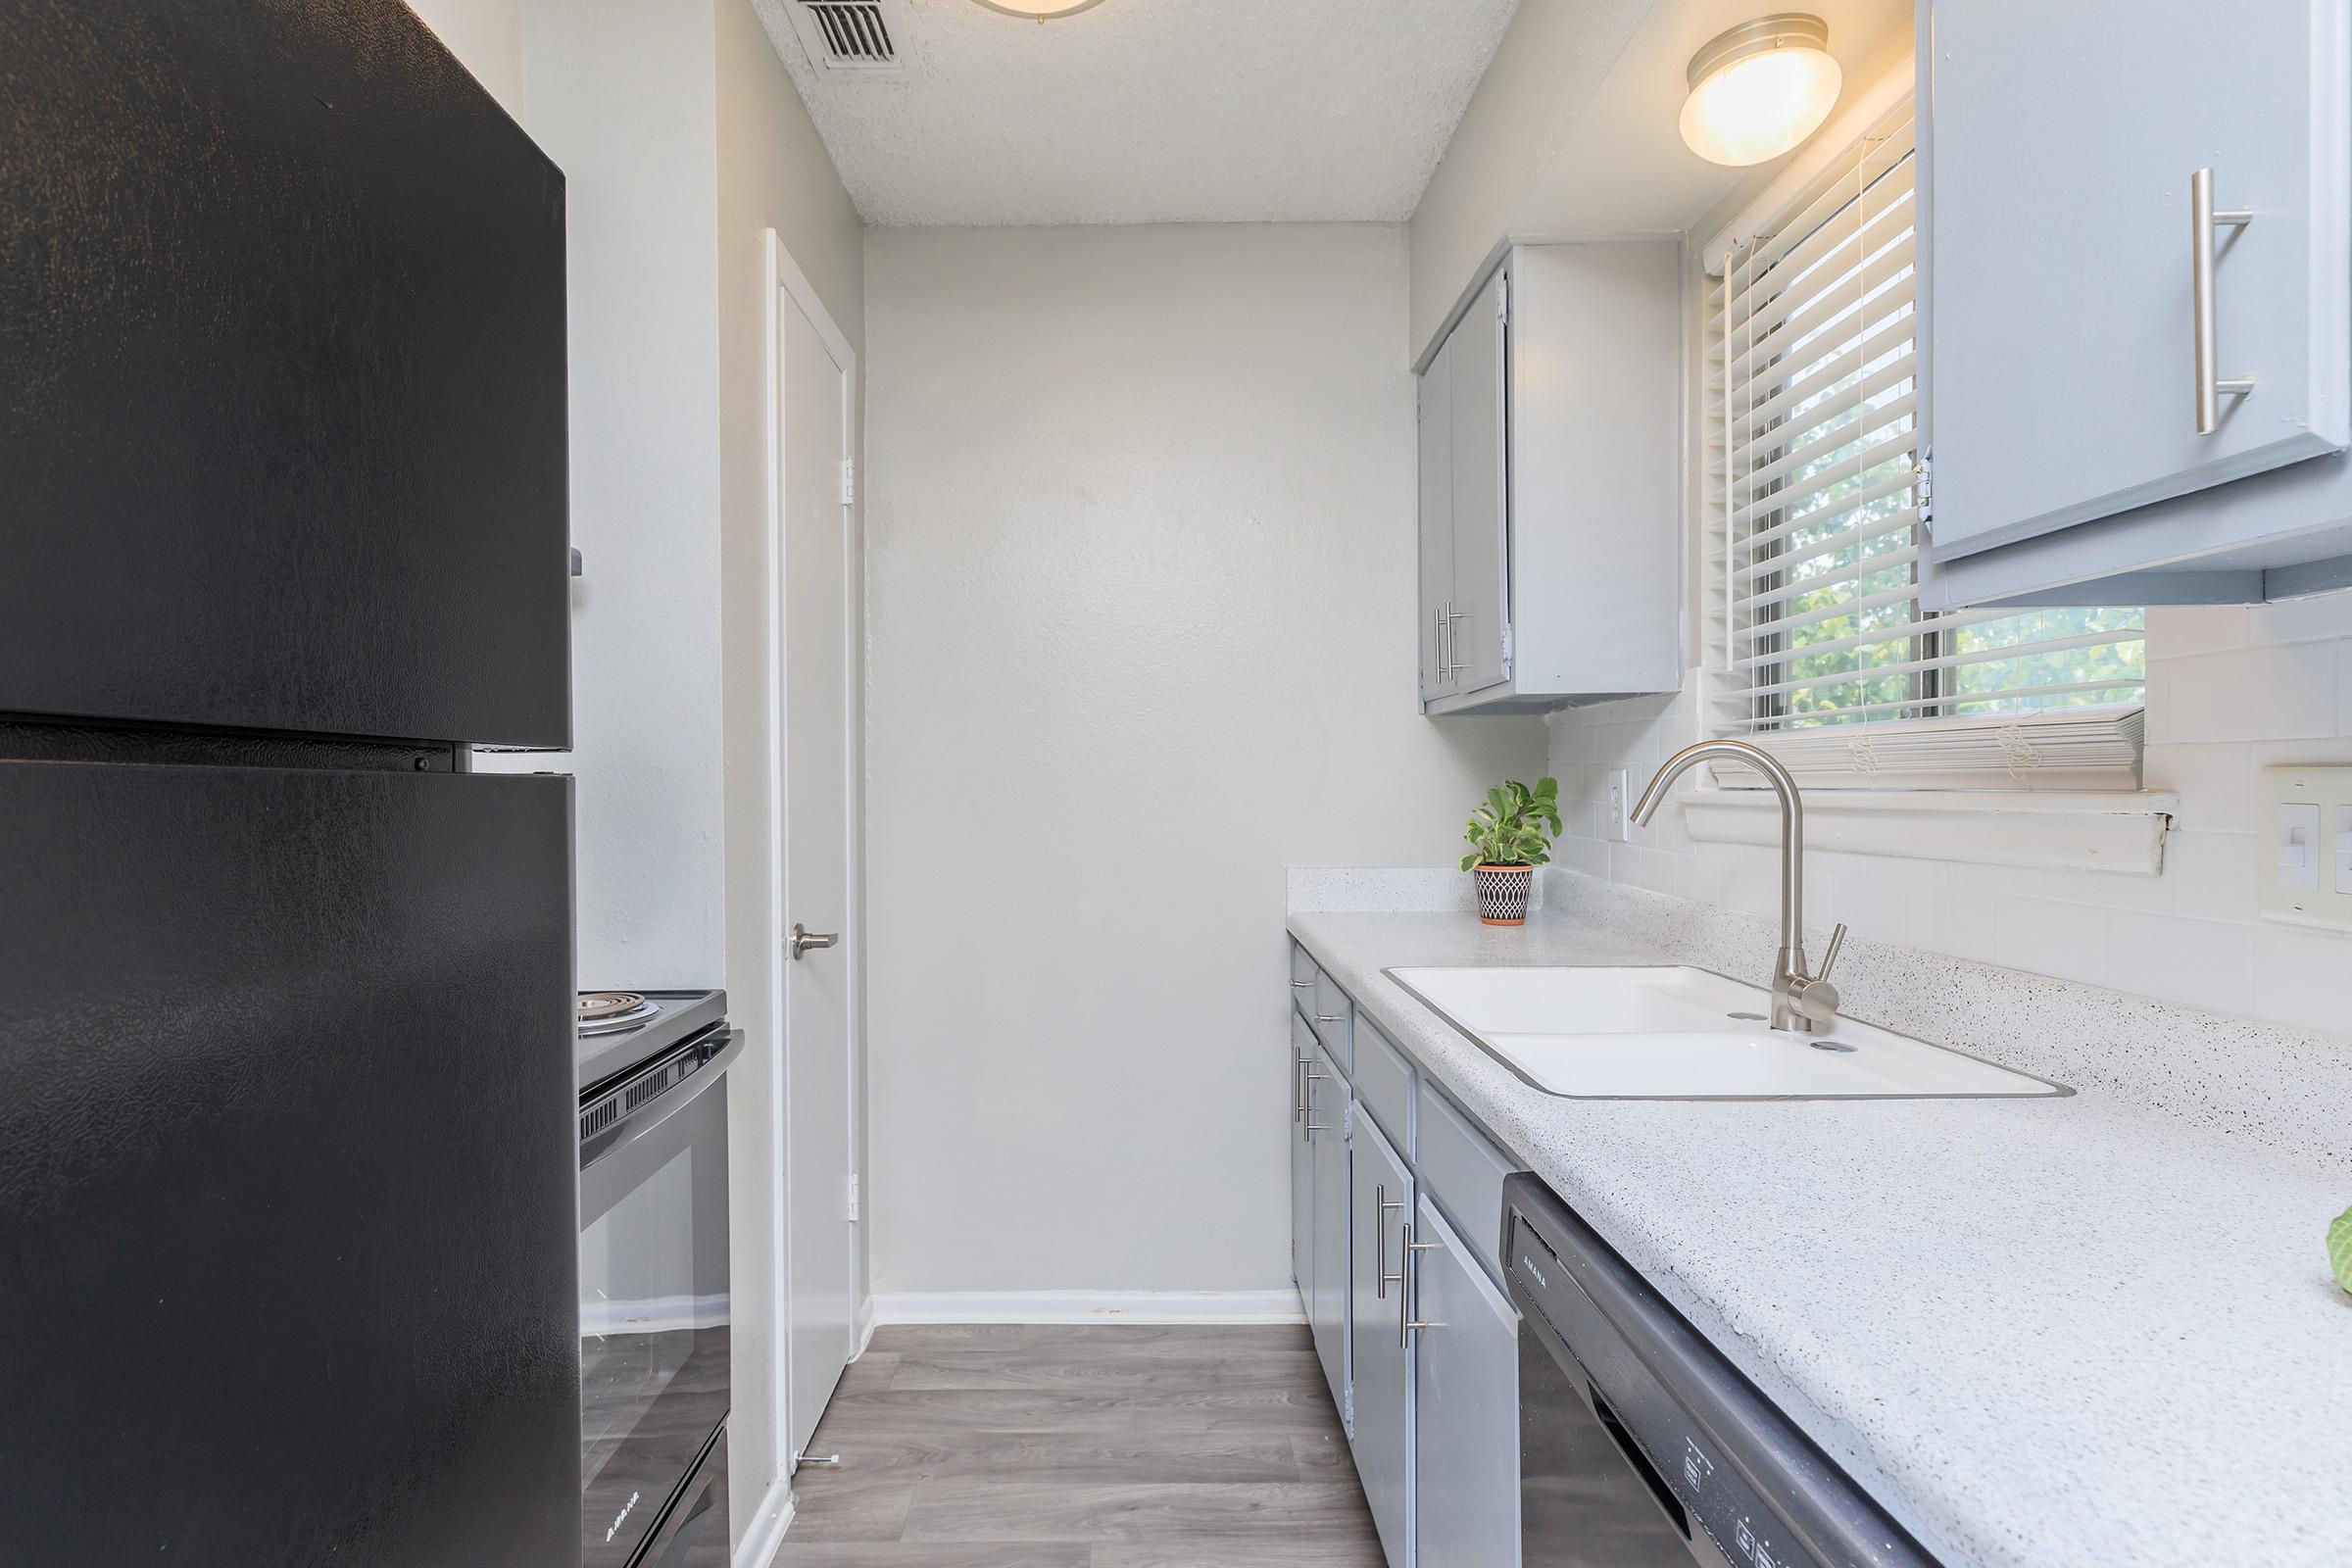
x: 766, y: 1536
x: 1087, y: 1307
x: 867, y: 1322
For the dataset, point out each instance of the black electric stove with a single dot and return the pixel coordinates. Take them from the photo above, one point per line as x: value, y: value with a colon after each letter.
x: 655, y: 1298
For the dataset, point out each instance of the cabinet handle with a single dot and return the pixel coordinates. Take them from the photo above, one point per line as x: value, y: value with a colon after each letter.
x: 1303, y: 985
x: 1298, y: 1087
x: 2203, y: 220
x: 1312, y: 1126
x: 1405, y: 1287
x: 1382, y: 1279
x: 1331, y: 1018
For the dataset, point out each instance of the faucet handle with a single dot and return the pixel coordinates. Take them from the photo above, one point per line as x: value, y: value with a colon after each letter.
x: 1828, y: 956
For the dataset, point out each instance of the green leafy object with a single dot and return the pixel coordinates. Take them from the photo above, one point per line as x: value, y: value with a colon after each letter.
x: 1509, y: 828
x: 2340, y: 1248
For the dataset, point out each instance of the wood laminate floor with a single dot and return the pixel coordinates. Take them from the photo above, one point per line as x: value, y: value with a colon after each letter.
x: 1083, y: 1447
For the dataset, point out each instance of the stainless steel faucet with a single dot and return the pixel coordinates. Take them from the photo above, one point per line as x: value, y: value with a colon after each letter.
x: 1802, y: 1002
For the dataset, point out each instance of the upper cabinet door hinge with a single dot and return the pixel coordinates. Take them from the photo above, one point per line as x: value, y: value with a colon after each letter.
x: 1509, y: 648
x: 849, y: 481
x: 1502, y: 299
x: 849, y: 1199
x: 1923, y: 477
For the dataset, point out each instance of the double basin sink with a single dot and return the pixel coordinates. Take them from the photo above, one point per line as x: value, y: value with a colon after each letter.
x: 1671, y: 1032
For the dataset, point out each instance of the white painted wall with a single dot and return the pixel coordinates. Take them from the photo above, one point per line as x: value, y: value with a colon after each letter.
x: 1553, y: 60
x: 1140, y: 574
x: 486, y: 36
x: 621, y: 95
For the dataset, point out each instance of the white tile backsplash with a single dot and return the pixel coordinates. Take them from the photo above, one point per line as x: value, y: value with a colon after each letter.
x: 2301, y: 977
x: 2231, y: 691
x: 2278, y: 691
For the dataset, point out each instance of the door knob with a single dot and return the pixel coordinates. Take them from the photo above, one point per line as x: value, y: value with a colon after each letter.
x: 803, y: 939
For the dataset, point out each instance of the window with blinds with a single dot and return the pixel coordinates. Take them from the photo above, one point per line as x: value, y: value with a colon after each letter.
x: 1820, y: 649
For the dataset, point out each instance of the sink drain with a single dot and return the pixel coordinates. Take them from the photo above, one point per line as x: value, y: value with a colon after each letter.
x: 1747, y: 1017
x: 1839, y: 1046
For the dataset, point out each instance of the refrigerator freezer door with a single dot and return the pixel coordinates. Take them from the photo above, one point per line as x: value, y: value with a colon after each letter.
x: 288, y: 1238
x: 282, y: 421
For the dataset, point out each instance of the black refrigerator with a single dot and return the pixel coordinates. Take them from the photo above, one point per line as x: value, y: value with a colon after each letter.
x: 288, y: 1205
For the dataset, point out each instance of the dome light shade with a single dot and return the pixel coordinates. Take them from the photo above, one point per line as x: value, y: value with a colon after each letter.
x: 1759, y: 89
x: 1042, y: 10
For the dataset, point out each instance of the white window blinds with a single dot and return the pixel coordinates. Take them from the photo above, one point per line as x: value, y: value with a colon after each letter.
x: 1820, y: 649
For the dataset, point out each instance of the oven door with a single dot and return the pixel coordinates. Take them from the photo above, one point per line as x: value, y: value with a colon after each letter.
x: 654, y: 1293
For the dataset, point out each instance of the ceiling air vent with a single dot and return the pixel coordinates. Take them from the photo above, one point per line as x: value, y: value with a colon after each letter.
x: 859, y: 38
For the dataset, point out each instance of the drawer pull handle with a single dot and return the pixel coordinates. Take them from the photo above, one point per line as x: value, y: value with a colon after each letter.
x: 1382, y: 1279
x: 1406, y: 1321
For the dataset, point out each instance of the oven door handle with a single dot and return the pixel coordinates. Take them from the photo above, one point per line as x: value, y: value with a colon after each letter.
x: 649, y: 1119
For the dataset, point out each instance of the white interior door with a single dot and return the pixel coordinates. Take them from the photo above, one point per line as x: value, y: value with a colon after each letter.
x: 815, y: 595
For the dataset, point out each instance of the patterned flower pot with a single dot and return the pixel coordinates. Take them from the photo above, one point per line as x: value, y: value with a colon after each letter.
x: 1502, y: 892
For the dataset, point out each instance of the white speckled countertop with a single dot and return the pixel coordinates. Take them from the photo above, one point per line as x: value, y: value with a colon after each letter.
x: 2095, y: 1330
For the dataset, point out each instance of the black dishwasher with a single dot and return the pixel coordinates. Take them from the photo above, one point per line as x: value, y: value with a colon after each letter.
x: 1641, y: 1445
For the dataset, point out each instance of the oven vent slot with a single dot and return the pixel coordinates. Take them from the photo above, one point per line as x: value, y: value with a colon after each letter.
x: 641, y: 1089
x: 626, y: 1100
x: 629, y: 1097
x: 599, y: 1116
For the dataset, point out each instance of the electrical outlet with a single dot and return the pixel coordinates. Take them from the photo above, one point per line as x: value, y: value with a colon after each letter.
x: 1612, y: 826
x: 2305, y: 865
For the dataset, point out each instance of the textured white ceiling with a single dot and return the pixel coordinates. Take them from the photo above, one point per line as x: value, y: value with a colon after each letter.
x: 1153, y: 110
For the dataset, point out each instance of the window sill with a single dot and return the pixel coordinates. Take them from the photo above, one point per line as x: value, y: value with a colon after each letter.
x: 2119, y: 832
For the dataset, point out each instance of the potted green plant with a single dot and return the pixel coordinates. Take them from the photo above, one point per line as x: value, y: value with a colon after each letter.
x: 1507, y: 841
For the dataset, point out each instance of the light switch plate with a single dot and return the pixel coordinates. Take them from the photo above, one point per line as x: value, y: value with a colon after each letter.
x: 2303, y: 871
x: 1612, y: 824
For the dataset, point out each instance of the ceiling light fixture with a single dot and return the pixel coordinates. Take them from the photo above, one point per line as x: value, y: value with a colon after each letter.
x: 1758, y: 90
x: 1042, y: 10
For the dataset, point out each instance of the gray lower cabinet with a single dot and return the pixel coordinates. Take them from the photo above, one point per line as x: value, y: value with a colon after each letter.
x: 1466, y: 1405
x: 1303, y: 1167
x: 1383, y: 1375
x: 1326, y: 1290
x: 1418, y: 1340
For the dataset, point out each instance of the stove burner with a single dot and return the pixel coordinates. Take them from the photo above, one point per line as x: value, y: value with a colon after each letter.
x: 604, y: 1012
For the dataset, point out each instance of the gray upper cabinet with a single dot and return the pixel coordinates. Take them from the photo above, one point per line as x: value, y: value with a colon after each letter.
x: 1475, y: 616
x: 2117, y: 388
x: 1436, y: 524
x: 1551, y: 490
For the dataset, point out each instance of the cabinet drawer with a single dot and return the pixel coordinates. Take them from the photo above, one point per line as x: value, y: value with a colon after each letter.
x: 1383, y: 1082
x: 1332, y: 1014
x: 1303, y: 981
x: 1463, y: 1173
